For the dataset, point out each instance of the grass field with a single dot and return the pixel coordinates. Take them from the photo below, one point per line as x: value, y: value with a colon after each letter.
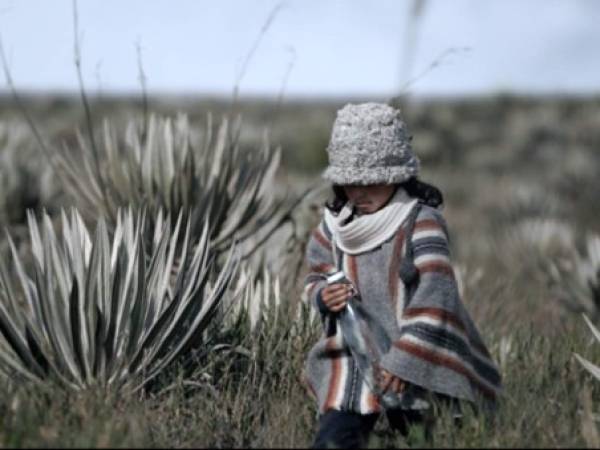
x: 526, y: 168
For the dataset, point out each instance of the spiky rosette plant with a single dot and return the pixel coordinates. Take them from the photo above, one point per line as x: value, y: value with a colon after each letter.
x: 170, y: 166
x: 259, y: 299
x: 538, y: 239
x: 273, y: 333
x: 259, y: 317
x: 576, y: 279
x: 97, y: 311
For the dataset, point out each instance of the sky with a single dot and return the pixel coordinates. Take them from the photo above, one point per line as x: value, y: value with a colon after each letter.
x: 307, y: 47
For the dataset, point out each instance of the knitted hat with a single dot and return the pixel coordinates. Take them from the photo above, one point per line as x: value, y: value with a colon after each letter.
x: 370, y: 145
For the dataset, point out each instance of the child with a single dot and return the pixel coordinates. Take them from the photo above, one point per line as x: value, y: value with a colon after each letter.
x: 383, y: 229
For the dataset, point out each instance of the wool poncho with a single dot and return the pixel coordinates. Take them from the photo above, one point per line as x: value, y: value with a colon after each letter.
x: 407, y: 283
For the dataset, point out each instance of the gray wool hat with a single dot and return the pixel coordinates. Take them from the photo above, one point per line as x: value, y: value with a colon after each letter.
x: 370, y: 145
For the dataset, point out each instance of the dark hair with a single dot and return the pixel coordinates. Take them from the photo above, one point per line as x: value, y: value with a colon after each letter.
x: 425, y: 192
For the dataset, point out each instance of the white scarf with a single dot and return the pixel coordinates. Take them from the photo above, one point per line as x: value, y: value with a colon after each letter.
x: 368, y: 231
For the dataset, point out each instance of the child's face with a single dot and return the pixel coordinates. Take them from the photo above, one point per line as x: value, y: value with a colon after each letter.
x: 369, y: 199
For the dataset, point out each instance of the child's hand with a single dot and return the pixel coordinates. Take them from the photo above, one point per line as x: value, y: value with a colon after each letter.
x: 335, y: 296
x: 391, y: 382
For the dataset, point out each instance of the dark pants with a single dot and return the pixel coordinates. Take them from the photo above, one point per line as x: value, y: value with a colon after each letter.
x: 341, y: 429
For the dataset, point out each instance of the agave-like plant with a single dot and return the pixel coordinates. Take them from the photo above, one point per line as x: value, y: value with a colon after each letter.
x: 96, y: 311
x: 257, y: 304
x: 170, y: 166
x: 259, y: 298
x: 576, y: 279
x: 540, y: 238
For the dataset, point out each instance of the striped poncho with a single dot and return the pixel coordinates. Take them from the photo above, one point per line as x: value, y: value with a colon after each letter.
x: 409, y: 287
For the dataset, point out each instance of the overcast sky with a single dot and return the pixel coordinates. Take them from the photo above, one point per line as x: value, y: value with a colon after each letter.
x: 333, y: 47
